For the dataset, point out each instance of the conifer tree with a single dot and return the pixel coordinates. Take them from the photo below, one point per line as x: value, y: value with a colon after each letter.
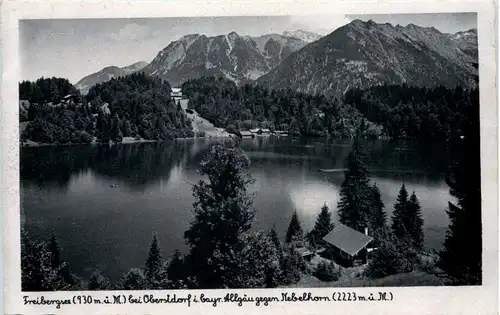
x: 294, y: 233
x: 355, y: 193
x: 323, y: 224
x: 377, y: 217
x: 37, y: 270
x: 399, y: 227
x: 461, y: 257
x: 176, y: 268
x: 415, y: 222
x: 154, y: 264
x: 222, y: 213
x: 274, y: 237
x: 55, y: 251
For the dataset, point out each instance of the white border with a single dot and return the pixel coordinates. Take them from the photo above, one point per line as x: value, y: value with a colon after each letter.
x: 420, y: 300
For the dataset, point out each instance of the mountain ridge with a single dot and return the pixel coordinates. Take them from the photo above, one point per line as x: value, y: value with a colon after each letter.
x: 241, y: 59
x: 363, y: 54
x: 106, y: 74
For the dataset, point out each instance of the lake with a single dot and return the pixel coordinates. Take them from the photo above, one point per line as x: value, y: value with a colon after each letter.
x: 67, y: 189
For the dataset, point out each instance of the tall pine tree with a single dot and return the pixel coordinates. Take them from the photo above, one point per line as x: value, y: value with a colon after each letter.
x: 323, y: 224
x: 415, y: 222
x: 154, y: 263
x: 461, y: 257
x: 377, y: 217
x: 407, y: 222
x: 355, y: 193
x: 294, y: 233
x: 400, y: 213
x: 275, y: 238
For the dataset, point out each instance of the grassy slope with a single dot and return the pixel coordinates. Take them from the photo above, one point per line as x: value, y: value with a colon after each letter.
x: 416, y: 278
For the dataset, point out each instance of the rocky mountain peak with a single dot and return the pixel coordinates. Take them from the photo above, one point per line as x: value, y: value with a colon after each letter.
x: 239, y: 58
x: 362, y: 54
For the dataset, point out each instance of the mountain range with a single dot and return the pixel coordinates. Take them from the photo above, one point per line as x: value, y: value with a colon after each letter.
x: 363, y: 54
x: 359, y: 54
x: 242, y: 59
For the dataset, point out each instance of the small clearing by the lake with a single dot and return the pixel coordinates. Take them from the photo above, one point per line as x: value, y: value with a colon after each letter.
x: 202, y: 127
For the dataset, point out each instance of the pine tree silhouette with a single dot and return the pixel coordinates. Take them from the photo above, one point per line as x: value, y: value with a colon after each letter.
x: 294, y: 232
x: 154, y: 263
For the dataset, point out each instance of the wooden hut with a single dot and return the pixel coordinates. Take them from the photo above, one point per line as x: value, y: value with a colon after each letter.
x: 346, y: 246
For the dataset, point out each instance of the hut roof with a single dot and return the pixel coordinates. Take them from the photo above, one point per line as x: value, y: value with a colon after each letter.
x: 348, y: 240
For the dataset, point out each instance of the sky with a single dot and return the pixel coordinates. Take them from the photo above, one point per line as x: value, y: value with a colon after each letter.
x: 74, y: 48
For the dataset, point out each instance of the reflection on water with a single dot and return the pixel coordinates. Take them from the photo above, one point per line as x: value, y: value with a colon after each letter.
x: 105, y: 202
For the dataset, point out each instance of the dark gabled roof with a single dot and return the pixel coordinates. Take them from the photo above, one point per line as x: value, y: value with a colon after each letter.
x: 347, y: 239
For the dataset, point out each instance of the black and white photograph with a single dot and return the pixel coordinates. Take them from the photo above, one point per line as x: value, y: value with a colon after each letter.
x: 250, y: 152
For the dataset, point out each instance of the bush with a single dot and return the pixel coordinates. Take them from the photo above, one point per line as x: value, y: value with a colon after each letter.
x: 391, y: 257
x: 133, y: 280
x: 291, y: 265
x: 326, y: 271
x: 98, y: 282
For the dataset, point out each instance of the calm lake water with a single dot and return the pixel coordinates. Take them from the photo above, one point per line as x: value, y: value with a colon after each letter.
x: 67, y: 190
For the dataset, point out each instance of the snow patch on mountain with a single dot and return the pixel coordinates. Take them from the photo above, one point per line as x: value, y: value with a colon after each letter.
x: 302, y: 35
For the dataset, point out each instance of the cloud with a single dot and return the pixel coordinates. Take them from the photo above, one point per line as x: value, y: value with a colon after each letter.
x: 131, y: 32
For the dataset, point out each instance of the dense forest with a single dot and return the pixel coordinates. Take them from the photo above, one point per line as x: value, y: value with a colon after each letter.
x: 46, y: 90
x: 238, y: 108
x: 140, y: 106
x: 394, y: 111
x: 415, y: 113
x: 136, y: 106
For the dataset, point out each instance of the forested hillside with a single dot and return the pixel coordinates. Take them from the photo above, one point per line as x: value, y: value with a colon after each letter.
x: 137, y: 105
x: 46, y: 90
x: 416, y: 113
x: 227, y: 105
x: 132, y: 106
x: 395, y: 111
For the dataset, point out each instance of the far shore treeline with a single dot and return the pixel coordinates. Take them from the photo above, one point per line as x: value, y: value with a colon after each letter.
x: 140, y: 106
x: 223, y: 253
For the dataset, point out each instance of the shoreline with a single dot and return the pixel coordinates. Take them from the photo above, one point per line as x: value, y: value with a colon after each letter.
x: 33, y: 144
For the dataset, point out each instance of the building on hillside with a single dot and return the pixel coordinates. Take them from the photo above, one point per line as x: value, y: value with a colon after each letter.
x: 346, y: 246
x: 260, y: 131
x: 69, y: 99
x: 246, y: 134
x: 176, y: 94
